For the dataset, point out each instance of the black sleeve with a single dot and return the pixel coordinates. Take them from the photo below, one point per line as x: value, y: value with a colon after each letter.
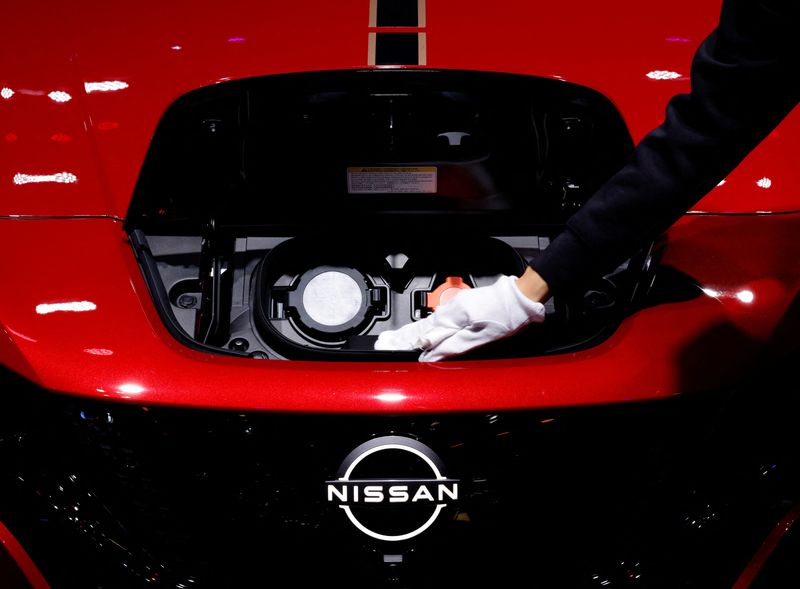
x: 744, y: 81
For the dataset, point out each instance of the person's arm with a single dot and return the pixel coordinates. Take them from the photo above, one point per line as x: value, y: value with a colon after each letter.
x: 744, y: 80
x: 533, y: 286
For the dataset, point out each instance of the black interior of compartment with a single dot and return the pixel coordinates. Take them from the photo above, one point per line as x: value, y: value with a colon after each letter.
x: 272, y: 153
x: 243, y: 296
x: 251, y: 196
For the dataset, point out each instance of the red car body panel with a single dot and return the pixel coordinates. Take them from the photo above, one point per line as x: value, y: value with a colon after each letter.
x: 769, y: 545
x: 97, y: 136
x: 86, y: 86
x: 22, y: 560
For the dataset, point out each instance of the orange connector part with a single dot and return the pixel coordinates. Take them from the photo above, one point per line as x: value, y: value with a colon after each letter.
x: 443, y: 293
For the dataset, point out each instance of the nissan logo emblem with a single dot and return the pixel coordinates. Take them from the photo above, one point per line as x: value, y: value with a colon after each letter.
x: 392, y: 488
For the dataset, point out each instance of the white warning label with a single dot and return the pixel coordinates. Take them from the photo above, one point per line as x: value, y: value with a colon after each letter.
x: 391, y: 180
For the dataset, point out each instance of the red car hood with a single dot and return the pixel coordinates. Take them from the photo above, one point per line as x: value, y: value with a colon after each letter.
x: 85, y: 85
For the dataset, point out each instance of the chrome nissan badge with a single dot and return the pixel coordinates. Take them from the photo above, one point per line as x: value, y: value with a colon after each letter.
x: 392, y: 488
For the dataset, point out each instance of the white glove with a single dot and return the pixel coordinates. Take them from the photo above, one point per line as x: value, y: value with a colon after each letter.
x: 472, y: 318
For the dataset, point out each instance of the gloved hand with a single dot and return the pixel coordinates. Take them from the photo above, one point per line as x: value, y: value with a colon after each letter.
x: 472, y: 318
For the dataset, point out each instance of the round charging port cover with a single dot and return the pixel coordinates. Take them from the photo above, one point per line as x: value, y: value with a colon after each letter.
x: 331, y: 299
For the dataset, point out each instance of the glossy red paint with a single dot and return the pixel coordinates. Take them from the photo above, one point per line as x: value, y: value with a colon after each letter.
x: 103, y: 74
x: 21, y: 558
x: 771, y: 542
x: 77, y: 318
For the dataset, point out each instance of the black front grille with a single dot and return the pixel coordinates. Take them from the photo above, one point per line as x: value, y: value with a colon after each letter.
x: 666, y: 494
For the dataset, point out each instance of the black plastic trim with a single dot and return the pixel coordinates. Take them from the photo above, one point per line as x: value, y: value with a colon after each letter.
x: 160, y: 296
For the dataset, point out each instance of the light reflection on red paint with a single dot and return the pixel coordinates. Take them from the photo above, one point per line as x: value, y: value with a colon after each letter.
x: 390, y: 397
x: 11, y: 136
x: 20, y: 335
x: 130, y: 388
x: 72, y: 306
x: 663, y: 75
x: 99, y: 351
x: 105, y: 86
x: 60, y: 137
x: 107, y: 125
x: 59, y: 96
x: 58, y: 178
